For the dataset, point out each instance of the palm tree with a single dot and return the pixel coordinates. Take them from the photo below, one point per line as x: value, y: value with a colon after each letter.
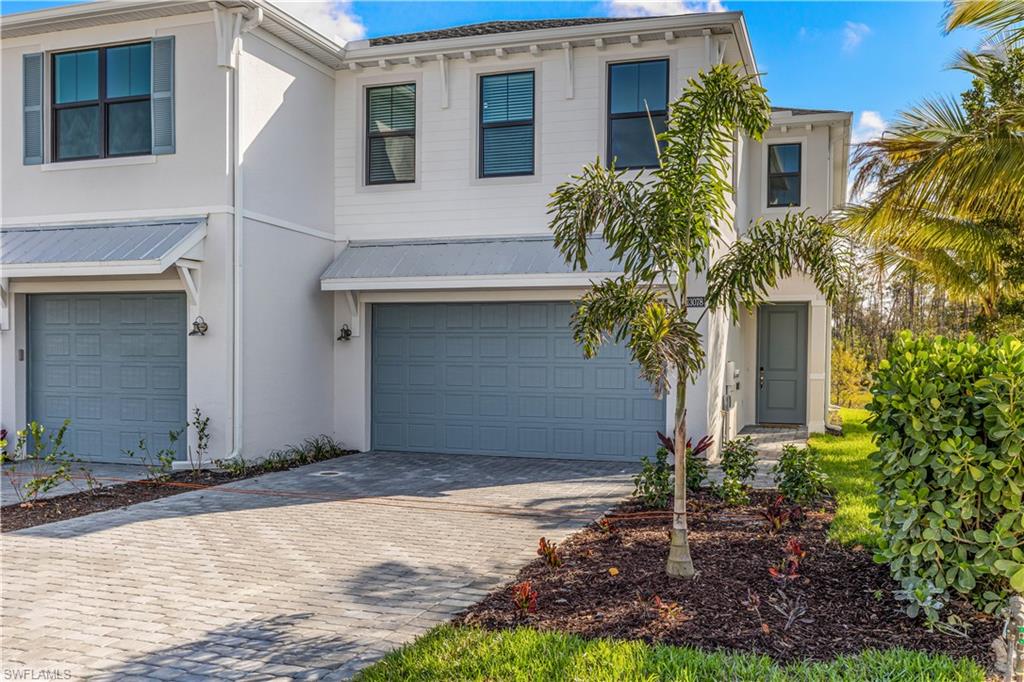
x: 944, y: 185
x: 665, y: 226
x: 1002, y: 19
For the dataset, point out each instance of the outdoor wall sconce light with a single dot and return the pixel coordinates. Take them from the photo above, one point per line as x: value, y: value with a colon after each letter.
x: 199, y: 327
x: 345, y: 334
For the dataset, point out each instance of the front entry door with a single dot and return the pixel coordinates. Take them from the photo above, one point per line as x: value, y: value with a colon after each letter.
x: 782, y: 364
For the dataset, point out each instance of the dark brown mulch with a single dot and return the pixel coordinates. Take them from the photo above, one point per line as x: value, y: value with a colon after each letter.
x: 848, y: 597
x: 15, y: 517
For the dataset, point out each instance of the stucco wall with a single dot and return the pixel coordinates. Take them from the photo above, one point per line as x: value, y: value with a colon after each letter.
x: 196, y: 175
x: 287, y: 162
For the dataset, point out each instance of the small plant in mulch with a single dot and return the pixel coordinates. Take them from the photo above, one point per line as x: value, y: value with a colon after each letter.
x: 789, y: 568
x: 753, y: 603
x: 525, y: 597
x: 605, y: 525
x: 668, y: 610
x: 549, y: 550
x: 777, y: 516
x: 696, y: 462
x: 793, y: 609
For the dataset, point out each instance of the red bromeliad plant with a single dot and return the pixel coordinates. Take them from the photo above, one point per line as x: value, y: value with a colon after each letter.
x: 549, y: 550
x: 525, y: 597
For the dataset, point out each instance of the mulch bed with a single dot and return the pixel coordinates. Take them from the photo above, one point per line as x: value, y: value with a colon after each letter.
x: 848, y: 598
x: 46, y: 510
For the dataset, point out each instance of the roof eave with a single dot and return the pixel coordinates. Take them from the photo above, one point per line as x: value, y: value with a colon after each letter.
x: 733, y: 21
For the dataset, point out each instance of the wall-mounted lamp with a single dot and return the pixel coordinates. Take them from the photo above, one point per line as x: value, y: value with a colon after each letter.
x: 345, y: 334
x: 199, y: 327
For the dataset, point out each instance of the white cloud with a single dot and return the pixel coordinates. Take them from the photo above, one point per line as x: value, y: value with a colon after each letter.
x: 854, y: 34
x: 657, y: 8
x: 869, y: 126
x: 333, y: 18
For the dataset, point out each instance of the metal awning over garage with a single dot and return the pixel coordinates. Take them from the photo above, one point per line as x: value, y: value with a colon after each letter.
x: 498, y: 262
x: 137, y: 248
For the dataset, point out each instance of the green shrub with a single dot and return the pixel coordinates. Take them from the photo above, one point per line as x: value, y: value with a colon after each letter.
x: 653, y: 485
x: 799, y: 476
x: 948, y: 418
x: 739, y: 457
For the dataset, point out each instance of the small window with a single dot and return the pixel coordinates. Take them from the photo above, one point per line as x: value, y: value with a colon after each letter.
x: 784, y: 174
x: 101, y: 102
x: 634, y: 89
x: 391, y: 134
x: 506, y: 124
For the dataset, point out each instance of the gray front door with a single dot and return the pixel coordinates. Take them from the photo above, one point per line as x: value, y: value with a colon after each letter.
x: 114, y: 364
x: 504, y: 379
x: 782, y: 364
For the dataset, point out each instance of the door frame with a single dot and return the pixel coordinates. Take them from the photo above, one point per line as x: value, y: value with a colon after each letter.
x: 805, y: 307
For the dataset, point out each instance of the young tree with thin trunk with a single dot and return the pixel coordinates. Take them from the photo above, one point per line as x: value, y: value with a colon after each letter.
x: 661, y: 228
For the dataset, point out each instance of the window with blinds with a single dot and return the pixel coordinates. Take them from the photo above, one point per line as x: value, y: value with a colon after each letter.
x: 637, y: 102
x: 391, y: 134
x: 506, y: 124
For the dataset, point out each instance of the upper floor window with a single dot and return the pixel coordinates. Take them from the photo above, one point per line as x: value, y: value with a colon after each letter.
x: 634, y: 89
x: 101, y: 102
x: 391, y: 134
x: 506, y: 124
x: 784, y: 174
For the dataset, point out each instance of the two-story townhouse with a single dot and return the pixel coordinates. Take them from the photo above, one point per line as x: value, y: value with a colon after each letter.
x: 455, y: 302
x: 363, y: 232
x: 167, y: 181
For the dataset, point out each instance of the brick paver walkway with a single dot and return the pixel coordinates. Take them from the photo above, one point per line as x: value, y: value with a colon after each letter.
x: 306, y: 574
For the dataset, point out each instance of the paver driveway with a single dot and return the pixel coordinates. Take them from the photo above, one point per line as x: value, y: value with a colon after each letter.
x: 311, y: 573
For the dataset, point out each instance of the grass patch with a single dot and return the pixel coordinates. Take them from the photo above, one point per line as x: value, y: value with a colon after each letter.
x: 845, y: 460
x: 459, y: 653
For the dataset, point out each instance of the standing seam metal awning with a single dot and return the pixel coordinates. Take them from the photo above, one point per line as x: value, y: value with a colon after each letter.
x: 462, y: 263
x: 137, y: 248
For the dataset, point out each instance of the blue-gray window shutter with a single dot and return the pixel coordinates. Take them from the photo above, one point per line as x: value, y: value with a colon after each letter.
x: 163, y: 95
x: 32, y: 108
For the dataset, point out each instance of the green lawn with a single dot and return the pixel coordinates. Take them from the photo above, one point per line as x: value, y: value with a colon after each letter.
x: 455, y: 653
x: 844, y: 459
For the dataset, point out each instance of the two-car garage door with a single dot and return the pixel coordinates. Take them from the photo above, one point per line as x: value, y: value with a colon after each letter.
x: 503, y: 379
x: 114, y: 364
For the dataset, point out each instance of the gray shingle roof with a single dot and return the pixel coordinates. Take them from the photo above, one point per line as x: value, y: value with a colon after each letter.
x: 460, y: 258
x: 488, y: 28
x: 802, y: 112
x: 105, y: 243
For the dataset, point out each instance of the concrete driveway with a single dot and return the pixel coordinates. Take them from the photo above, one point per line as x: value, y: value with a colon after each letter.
x: 306, y: 574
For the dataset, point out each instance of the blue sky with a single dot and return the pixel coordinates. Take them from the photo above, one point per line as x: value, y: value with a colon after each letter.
x: 872, y: 58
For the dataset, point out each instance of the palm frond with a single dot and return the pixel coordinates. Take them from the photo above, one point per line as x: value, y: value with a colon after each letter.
x: 770, y: 251
x: 996, y: 17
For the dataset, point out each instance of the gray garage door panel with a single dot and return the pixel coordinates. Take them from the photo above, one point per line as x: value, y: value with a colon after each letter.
x: 503, y: 379
x: 112, y: 363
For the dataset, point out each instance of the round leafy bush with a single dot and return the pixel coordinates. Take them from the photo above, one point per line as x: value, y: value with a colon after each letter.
x: 799, y: 476
x: 739, y: 464
x: 948, y: 418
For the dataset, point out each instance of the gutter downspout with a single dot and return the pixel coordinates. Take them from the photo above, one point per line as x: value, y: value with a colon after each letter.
x: 230, y: 28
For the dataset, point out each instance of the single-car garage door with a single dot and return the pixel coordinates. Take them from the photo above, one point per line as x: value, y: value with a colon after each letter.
x: 114, y: 364
x: 503, y: 379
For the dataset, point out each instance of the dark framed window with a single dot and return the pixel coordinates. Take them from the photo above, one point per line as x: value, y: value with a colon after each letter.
x: 391, y: 134
x: 784, y: 174
x: 634, y: 89
x: 101, y: 102
x: 506, y: 124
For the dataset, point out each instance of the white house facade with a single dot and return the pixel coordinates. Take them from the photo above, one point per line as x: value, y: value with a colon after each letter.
x: 209, y: 205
